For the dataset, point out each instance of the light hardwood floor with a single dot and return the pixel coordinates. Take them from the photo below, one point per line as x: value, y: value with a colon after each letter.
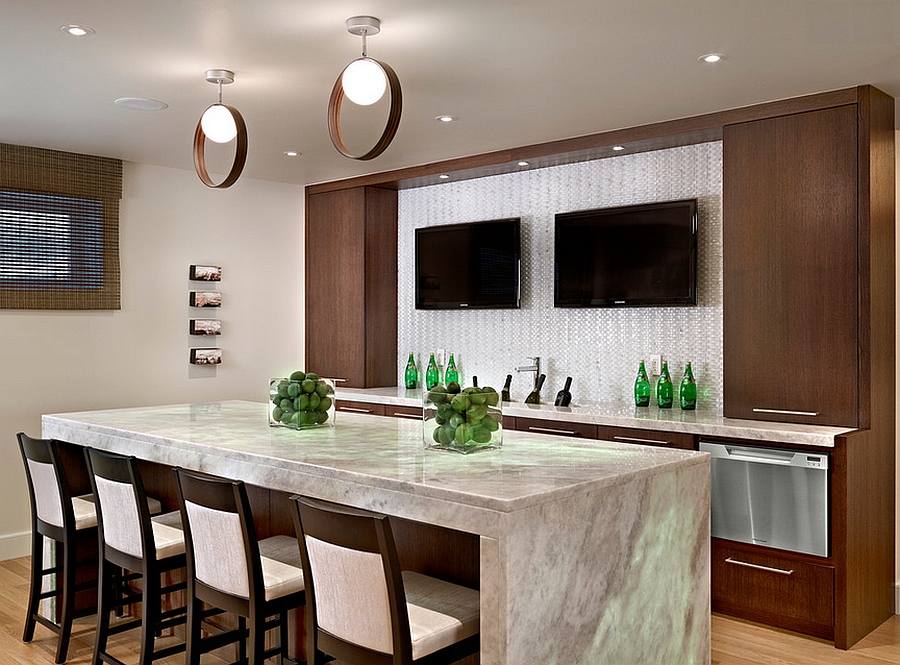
x: 734, y: 642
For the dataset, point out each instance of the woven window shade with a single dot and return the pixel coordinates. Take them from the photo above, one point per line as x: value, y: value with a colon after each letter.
x: 59, y: 229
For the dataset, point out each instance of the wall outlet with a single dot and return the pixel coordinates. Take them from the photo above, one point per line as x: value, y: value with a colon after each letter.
x: 655, y: 364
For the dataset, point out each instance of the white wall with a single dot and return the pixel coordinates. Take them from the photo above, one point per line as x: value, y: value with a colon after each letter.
x: 53, y: 362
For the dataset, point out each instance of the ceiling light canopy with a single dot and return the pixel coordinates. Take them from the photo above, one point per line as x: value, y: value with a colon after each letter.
x: 220, y: 123
x: 364, y: 82
x: 141, y: 104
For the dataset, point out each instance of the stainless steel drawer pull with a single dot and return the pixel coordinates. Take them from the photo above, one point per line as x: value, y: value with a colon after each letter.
x: 340, y: 380
x: 414, y: 416
x: 353, y: 408
x: 630, y: 440
x: 550, y: 430
x: 768, y: 569
x: 786, y: 412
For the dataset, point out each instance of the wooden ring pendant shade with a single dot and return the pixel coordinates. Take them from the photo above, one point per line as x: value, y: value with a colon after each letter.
x: 390, y: 128
x: 240, y: 152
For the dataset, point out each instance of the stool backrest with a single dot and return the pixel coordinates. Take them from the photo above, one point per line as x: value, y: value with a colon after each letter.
x: 122, y: 513
x: 354, y: 589
x: 219, y: 534
x: 48, y: 486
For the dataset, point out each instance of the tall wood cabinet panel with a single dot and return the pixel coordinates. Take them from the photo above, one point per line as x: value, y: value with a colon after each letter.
x: 351, y: 286
x: 791, y: 305
x: 809, y: 317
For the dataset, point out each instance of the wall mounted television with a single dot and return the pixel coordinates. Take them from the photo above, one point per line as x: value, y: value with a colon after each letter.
x: 630, y: 256
x: 475, y: 265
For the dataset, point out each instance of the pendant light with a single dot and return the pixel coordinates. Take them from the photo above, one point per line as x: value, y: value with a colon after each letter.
x: 220, y: 123
x: 364, y: 82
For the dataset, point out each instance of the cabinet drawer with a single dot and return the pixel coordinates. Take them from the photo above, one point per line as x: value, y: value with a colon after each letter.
x: 782, y: 590
x: 559, y: 428
x: 359, y: 407
x: 409, y: 412
x: 646, y: 437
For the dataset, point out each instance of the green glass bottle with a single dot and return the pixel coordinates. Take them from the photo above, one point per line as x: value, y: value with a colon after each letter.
x: 642, y: 387
x: 687, y: 392
x: 664, y: 388
x: 432, y: 374
x: 451, y: 374
x: 411, y: 377
x: 534, y: 397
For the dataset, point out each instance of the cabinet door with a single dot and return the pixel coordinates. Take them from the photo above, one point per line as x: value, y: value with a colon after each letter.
x: 646, y: 437
x: 790, y: 268
x: 557, y: 427
x: 351, y: 286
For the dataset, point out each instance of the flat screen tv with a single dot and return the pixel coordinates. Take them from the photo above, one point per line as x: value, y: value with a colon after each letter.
x: 631, y: 256
x: 468, y: 266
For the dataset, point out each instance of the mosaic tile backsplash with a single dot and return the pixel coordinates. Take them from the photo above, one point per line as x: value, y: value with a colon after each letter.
x: 599, y: 348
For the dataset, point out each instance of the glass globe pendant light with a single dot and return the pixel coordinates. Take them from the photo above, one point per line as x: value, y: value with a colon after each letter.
x: 220, y: 123
x: 364, y: 81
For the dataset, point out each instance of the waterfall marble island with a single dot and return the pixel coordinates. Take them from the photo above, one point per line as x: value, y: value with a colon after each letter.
x: 587, y: 551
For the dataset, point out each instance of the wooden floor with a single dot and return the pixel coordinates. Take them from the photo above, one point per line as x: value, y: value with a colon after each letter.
x: 734, y: 642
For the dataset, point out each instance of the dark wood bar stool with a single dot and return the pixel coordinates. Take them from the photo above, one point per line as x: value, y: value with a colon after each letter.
x: 70, y: 523
x: 133, y: 542
x: 228, y: 568
x: 361, y: 608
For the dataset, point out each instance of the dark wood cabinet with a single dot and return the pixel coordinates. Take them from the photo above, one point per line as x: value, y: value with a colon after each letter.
x: 646, y: 437
x: 790, y: 238
x: 351, y: 286
x: 364, y: 408
x: 771, y: 586
x: 408, y: 412
x: 809, y: 319
x: 556, y: 427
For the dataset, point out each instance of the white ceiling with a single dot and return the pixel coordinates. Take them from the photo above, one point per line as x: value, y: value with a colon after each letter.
x: 514, y: 72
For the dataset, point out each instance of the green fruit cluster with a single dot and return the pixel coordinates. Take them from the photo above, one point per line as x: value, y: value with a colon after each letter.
x: 303, y: 400
x: 464, y: 417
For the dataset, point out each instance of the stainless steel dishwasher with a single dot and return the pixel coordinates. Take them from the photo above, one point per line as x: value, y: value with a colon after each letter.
x: 769, y: 496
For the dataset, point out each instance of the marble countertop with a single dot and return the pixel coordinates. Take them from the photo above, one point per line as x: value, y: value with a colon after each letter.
x: 619, y: 414
x: 379, y: 452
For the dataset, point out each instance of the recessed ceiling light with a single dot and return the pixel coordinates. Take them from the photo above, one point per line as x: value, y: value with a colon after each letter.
x: 445, y: 118
x: 291, y: 153
x: 141, y: 104
x: 523, y: 163
x: 618, y: 148
x: 77, y: 30
x: 712, y: 57
x: 443, y: 176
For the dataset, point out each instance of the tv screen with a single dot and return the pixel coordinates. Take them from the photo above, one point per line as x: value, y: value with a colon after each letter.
x: 631, y: 256
x: 468, y: 266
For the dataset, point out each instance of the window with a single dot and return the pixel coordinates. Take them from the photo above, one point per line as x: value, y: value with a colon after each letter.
x: 58, y: 230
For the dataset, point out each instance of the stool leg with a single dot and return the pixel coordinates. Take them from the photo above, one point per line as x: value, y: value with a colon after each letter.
x: 37, y: 581
x: 150, y: 610
x: 106, y: 588
x: 257, y: 637
x: 68, y: 601
x: 194, y: 619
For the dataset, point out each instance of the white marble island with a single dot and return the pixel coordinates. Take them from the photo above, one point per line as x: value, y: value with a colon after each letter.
x: 590, y: 552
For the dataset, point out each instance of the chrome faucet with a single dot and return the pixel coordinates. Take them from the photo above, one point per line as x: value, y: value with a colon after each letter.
x: 535, y: 367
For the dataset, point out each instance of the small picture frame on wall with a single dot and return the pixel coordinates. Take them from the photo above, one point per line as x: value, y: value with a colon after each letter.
x: 206, y: 299
x: 206, y: 356
x: 206, y: 327
x: 206, y: 273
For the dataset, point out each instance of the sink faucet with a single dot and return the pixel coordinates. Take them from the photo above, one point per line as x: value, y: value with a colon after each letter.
x: 535, y: 367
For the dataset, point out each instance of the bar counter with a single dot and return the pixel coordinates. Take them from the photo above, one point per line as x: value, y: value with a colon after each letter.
x: 588, y: 551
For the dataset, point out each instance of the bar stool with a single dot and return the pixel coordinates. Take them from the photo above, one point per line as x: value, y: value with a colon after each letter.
x: 360, y: 607
x: 70, y: 523
x: 228, y: 568
x: 131, y: 540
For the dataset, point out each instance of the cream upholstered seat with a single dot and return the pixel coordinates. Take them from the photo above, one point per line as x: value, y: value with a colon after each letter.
x: 131, y: 540
x: 361, y: 609
x: 229, y: 568
x: 67, y: 522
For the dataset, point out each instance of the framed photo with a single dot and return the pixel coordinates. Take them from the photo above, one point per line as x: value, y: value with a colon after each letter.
x: 206, y: 327
x: 206, y: 299
x: 206, y: 273
x: 206, y: 356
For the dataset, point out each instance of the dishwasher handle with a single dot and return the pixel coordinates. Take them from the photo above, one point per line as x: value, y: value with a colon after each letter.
x: 756, y: 455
